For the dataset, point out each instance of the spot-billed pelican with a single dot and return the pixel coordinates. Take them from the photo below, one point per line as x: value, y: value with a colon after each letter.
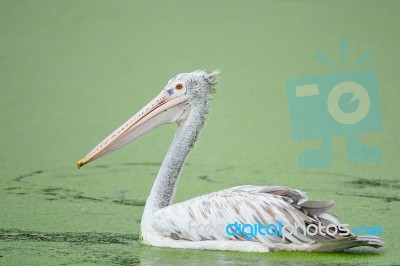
x: 201, y: 222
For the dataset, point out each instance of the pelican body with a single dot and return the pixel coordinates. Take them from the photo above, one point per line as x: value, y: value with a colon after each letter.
x: 185, y: 101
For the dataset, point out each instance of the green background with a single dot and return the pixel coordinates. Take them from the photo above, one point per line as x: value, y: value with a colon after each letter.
x: 72, y: 71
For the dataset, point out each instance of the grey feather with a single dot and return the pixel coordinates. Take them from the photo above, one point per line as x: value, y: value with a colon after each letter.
x: 317, y: 207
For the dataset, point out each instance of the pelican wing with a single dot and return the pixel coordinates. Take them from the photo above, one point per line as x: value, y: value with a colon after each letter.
x: 207, y: 217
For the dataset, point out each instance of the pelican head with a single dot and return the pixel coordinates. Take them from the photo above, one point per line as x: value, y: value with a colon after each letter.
x: 171, y: 105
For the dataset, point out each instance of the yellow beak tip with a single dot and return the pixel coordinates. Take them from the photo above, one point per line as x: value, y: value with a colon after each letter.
x: 81, y: 163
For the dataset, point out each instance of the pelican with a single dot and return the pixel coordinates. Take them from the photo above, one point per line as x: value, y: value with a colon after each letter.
x: 216, y: 221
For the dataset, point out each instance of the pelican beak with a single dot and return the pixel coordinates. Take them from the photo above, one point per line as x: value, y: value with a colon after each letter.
x: 163, y: 109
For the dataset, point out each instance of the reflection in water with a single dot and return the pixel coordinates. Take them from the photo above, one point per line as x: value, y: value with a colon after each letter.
x: 124, y: 249
x: 165, y: 256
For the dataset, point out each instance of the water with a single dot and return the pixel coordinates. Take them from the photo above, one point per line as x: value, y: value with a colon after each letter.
x: 73, y: 71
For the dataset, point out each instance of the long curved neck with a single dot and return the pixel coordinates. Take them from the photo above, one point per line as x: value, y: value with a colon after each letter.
x: 163, y: 190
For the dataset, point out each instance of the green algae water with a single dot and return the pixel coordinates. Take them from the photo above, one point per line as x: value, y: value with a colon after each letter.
x: 72, y: 71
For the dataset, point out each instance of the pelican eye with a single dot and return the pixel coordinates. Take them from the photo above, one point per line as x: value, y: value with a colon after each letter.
x: 179, y: 86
